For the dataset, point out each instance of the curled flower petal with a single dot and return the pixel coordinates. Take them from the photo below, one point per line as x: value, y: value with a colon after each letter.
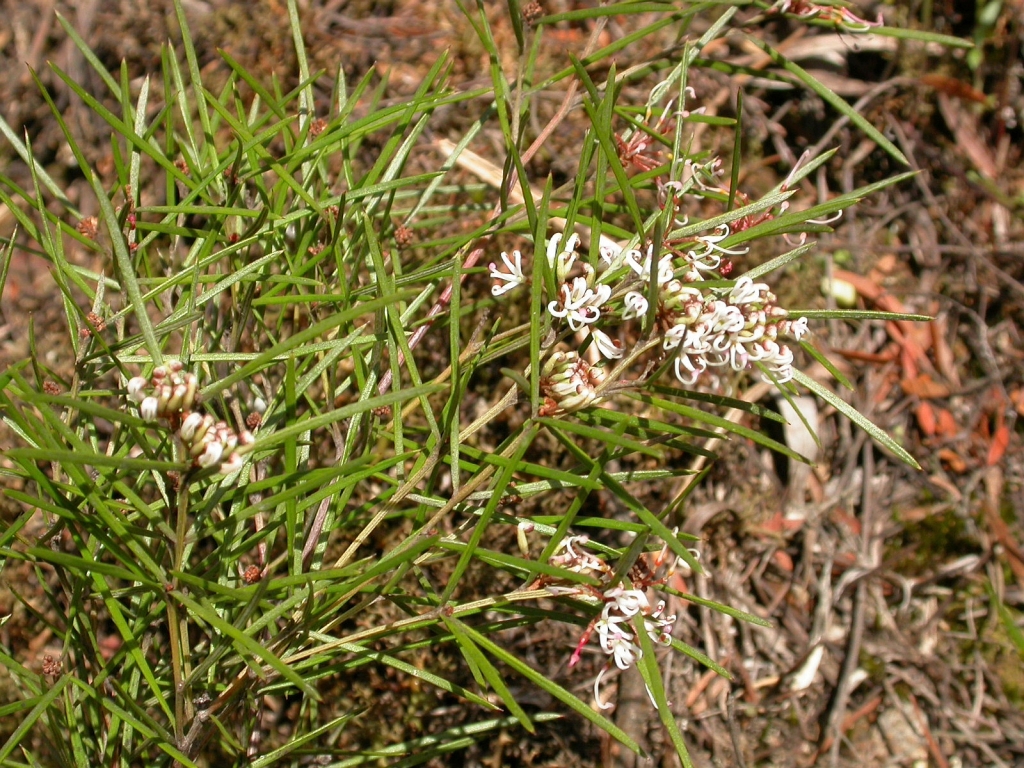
x: 606, y: 345
x: 579, y: 303
x: 746, y: 291
x: 636, y: 305
x: 628, y: 602
x: 513, y: 278
x: 643, y: 268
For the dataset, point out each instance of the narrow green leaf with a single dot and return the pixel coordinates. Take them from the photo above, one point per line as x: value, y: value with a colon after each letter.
x: 858, y: 314
x: 828, y: 365
x: 245, y: 644
x: 924, y: 35
x: 542, y: 682
x: 599, y: 435
x: 43, y: 703
x: 275, y: 756
x: 487, y: 669
x: 649, y: 670
x: 878, y: 435
x: 831, y: 98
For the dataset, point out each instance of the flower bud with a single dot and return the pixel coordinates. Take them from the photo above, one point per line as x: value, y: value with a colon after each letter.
x: 200, y: 434
x: 233, y: 464
x: 149, y: 407
x: 136, y: 388
x: 164, y: 393
x: 522, y: 529
x: 174, y: 402
x: 188, y: 427
x: 191, y: 386
x: 210, y: 455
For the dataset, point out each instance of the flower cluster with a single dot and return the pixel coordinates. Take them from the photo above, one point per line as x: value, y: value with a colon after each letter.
x: 211, y: 442
x: 571, y: 556
x: 568, y: 383
x: 623, y: 609
x: 739, y: 329
x: 579, y: 299
x: 703, y: 328
x: 171, y: 393
x: 616, y: 632
x: 167, y: 393
x: 836, y: 14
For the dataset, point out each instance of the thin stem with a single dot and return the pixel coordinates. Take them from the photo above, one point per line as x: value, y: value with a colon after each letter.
x: 177, y: 625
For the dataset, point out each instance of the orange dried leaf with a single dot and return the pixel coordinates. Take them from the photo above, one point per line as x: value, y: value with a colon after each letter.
x: 782, y: 559
x: 953, y: 460
x: 1017, y: 398
x: 926, y: 418
x: 947, y: 425
x: 998, y: 446
x: 924, y: 386
x: 955, y: 88
x: 841, y: 517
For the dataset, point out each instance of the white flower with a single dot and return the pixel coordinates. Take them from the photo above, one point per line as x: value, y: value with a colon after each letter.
x: 561, y: 261
x: 725, y: 318
x: 636, y: 305
x: 597, y: 690
x: 618, y: 642
x: 746, y: 291
x: 708, y: 258
x: 609, y: 251
x: 689, y: 369
x: 659, y: 627
x: 699, y: 339
x: 513, y: 278
x: 712, y: 241
x: 579, y: 303
x: 777, y: 358
x: 628, y: 602
x: 795, y: 328
x: 643, y: 269
x: 576, y: 560
x: 674, y: 336
x: 704, y: 175
x: 706, y: 261
x: 606, y: 345
x: 738, y: 356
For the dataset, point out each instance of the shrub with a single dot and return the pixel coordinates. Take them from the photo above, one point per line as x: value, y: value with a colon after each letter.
x: 305, y: 425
